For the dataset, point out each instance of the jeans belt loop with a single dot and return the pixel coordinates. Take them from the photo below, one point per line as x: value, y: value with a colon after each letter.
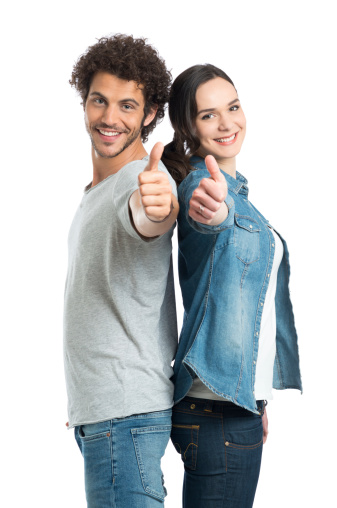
x: 208, y: 406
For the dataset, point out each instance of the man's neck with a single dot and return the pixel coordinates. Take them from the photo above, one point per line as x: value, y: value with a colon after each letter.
x: 103, y: 167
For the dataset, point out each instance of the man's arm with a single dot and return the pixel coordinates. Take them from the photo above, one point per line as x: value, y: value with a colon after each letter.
x: 154, y: 208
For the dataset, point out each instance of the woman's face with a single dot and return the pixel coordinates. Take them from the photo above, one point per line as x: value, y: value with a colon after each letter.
x: 220, y: 122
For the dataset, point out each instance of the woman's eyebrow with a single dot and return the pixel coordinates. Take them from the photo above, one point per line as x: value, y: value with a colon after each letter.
x: 205, y: 110
x: 213, y: 109
x: 233, y: 101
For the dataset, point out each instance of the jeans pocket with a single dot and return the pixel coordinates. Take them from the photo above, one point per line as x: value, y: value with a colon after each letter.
x: 248, y: 437
x: 185, y: 441
x: 85, y: 438
x: 150, y: 444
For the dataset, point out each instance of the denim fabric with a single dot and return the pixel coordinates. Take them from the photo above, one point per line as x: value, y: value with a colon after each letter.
x: 221, y: 447
x: 224, y: 274
x: 122, y: 460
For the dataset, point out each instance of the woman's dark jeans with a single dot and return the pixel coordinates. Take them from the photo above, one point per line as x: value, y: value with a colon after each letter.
x: 221, y: 447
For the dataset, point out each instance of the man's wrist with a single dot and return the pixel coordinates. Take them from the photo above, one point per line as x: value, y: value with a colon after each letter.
x: 165, y: 218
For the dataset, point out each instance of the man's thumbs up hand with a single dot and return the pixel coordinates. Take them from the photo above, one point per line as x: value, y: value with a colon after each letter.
x: 155, y: 188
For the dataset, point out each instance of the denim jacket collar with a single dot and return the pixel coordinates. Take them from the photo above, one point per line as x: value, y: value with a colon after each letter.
x: 238, y: 185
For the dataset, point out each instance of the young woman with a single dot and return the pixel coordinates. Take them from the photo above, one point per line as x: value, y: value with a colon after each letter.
x: 238, y: 339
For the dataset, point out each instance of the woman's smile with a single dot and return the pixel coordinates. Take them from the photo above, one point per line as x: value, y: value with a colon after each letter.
x: 227, y: 141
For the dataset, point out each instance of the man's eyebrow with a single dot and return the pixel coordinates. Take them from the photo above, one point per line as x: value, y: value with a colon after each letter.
x: 130, y: 100
x: 209, y: 110
x: 99, y: 95
x: 127, y: 99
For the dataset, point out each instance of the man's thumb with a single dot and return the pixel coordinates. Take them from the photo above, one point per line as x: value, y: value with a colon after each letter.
x: 155, y: 156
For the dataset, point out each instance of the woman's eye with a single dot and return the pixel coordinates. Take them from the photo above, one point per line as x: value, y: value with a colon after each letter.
x: 206, y: 117
x: 234, y: 108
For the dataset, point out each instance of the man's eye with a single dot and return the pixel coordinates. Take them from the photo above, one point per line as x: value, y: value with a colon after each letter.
x: 99, y: 101
x: 127, y: 106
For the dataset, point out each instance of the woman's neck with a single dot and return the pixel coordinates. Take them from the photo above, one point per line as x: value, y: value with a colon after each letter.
x: 228, y: 165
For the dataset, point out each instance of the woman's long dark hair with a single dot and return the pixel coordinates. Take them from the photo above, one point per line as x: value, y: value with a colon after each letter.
x: 182, y: 112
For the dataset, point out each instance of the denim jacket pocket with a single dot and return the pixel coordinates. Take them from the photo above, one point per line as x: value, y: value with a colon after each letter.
x: 246, y: 239
x: 185, y: 441
x: 150, y: 444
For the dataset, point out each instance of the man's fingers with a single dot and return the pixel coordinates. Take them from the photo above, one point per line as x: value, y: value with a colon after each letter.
x: 213, y: 168
x: 155, y: 156
x: 156, y: 188
x: 153, y: 200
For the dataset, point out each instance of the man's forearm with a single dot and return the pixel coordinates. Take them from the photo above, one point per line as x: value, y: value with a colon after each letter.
x: 147, y: 227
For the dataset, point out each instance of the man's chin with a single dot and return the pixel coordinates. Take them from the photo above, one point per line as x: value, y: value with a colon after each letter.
x: 107, y: 152
x: 106, y: 155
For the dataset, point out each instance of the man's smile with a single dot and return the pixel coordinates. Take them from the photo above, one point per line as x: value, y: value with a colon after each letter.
x: 109, y: 133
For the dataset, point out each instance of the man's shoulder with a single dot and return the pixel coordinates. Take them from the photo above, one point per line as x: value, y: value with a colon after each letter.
x: 137, y: 163
x: 133, y: 168
x: 141, y: 164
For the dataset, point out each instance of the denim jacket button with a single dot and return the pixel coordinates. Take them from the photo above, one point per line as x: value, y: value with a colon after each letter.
x: 192, y: 406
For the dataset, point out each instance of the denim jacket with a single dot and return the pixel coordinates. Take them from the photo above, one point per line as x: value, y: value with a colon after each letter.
x: 224, y: 274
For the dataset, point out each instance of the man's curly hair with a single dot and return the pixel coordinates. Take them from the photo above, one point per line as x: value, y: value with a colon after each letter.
x: 130, y: 59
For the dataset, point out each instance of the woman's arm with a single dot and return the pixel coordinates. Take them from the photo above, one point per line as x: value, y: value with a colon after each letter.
x: 207, y: 204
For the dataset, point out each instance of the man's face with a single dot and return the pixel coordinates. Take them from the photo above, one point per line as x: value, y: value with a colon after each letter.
x: 114, y: 114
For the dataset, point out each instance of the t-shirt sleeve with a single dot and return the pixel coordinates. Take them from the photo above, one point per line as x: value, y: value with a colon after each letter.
x: 126, y: 185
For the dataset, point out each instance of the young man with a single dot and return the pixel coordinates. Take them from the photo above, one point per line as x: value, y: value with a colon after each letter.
x: 120, y: 331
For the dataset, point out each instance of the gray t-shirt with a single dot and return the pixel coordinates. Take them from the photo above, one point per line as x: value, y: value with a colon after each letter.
x: 120, y: 330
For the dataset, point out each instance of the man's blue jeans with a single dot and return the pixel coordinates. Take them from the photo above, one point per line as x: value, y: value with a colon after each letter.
x: 122, y: 460
x: 221, y: 447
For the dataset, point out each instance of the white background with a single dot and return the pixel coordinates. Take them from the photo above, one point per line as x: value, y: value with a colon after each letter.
x: 282, y: 59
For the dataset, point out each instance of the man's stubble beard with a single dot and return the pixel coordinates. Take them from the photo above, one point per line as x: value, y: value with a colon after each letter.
x: 127, y: 143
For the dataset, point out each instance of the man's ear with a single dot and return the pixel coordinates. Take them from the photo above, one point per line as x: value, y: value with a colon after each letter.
x: 151, y: 115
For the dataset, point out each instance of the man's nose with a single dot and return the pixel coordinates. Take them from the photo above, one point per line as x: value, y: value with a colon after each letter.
x: 110, y: 115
